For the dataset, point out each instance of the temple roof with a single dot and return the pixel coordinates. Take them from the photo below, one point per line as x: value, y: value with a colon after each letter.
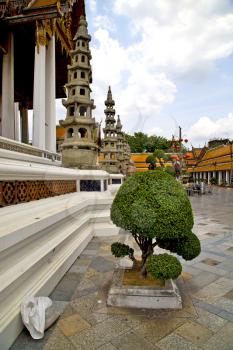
x: 42, y: 3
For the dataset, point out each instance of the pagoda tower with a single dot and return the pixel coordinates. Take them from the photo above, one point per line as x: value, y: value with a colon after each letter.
x: 80, y: 148
x: 109, y: 151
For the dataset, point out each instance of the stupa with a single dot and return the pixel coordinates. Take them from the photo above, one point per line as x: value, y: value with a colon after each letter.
x: 109, y: 151
x: 80, y: 148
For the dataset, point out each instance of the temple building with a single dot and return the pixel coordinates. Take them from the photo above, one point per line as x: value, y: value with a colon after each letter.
x: 35, y: 47
x: 46, y: 216
x: 80, y: 147
x: 214, y: 161
x: 110, y: 156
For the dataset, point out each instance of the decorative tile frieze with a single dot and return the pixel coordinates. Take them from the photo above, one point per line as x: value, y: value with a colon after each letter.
x: 14, y: 192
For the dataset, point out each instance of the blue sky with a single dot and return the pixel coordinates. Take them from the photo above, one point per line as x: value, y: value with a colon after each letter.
x: 168, y: 62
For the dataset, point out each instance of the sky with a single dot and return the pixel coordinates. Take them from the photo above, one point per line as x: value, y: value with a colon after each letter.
x: 169, y: 63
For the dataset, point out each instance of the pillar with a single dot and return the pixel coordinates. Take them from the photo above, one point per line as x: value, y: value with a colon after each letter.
x: 204, y: 175
x: 219, y: 177
x: 227, y: 177
x: 24, y: 124
x: 38, y: 139
x: 16, y: 121
x: 209, y: 176
x: 214, y: 173
x: 8, y: 108
x: 50, y: 98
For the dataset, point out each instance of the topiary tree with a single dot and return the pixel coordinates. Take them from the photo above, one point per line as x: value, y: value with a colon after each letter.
x: 151, y: 160
x: 155, y: 208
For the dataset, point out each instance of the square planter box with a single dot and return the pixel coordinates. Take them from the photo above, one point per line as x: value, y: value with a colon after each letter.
x: 143, y: 297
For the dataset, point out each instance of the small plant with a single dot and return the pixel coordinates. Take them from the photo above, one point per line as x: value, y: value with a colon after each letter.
x: 120, y: 250
x: 155, y: 208
x: 163, y: 266
x: 213, y: 181
x: 151, y: 161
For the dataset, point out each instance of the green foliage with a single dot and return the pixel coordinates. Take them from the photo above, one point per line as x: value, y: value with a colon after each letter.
x: 163, y: 266
x: 119, y: 250
x: 158, y: 153
x: 213, y: 181
x: 170, y: 170
x: 189, y: 247
x: 140, y: 142
x: 150, y: 159
x: 154, y: 205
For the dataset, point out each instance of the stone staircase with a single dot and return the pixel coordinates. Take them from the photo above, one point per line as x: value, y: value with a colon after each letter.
x: 39, y: 241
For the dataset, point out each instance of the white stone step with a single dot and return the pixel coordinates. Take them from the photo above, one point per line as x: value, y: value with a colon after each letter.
x: 36, y: 253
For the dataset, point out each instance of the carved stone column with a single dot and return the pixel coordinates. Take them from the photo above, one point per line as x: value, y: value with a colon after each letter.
x: 24, y: 124
x: 38, y: 139
x: 50, y: 101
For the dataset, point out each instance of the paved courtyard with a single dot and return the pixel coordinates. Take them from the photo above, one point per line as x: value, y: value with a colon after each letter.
x: 206, y: 284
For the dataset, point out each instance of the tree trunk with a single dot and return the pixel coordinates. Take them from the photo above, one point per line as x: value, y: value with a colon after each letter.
x: 147, y: 250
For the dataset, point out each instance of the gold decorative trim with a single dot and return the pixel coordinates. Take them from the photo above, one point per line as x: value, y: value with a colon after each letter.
x: 40, y: 35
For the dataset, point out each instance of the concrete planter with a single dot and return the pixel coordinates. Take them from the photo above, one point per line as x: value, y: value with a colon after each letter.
x: 143, y: 297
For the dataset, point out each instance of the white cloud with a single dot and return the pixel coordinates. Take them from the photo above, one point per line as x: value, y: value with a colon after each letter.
x: 92, y: 5
x: 170, y: 40
x: 206, y: 128
x: 104, y: 22
x: 182, y: 36
x: 139, y: 92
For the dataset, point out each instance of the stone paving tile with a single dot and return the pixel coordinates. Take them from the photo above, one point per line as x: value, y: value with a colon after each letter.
x: 208, y: 307
x: 210, y: 262
x: 107, y: 346
x: 99, y: 334
x: 215, y: 290
x: 58, y: 341
x: 131, y: 341
x: 209, y: 320
x: 102, y: 265
x: 225, y: 304
x: 175, y: 342
x: 222, y: 340
x: 194, y: 332
x: 205, y: 322
x: 25, y: 342
x: 72, y: 325
x: 156, y: 329
x: 89, y: 252
x: 201, y: 280
x: 211, y: 269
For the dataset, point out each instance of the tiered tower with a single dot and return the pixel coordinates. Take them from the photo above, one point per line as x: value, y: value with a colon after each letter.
x: 79, y: 149
x: 120, y: 145
x: 109, y: 151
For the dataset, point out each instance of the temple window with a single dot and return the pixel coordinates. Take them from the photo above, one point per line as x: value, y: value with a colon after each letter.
x: 70, y: 132
x: 83, y: 44
x: 83, y: 132
x: 71, y: 111
x: 82, y: 92
x: 83, y: 111
x: 83, y: 58
x: 76, y: 58
x: 73, y: 91
x: 83, y: 75
x: 75, y: 75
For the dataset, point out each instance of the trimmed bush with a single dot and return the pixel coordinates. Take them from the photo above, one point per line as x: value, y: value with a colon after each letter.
x: 163, y: 266
x: 190, y: 247
x: 155, y: 208
x: 153, y: 204
x: 119, y: 250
